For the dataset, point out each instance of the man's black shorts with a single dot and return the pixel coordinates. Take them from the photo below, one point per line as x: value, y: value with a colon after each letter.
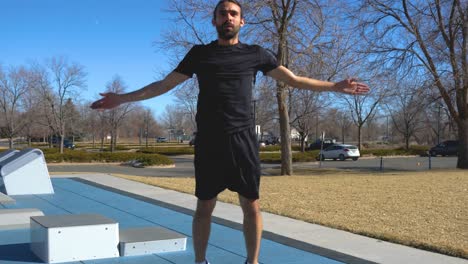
x: 227, y: 161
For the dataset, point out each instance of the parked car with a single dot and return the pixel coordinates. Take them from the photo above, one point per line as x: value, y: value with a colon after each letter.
x: 318, y: 143
x: 340, y: 151
x: 271, y: 141
x: 68, y: 144
x: 192, y: 142
x: 446, y: 148
x: 161, y: 139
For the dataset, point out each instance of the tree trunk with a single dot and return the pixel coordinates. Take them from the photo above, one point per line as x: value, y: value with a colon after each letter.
x: 342, y: 134
x: 359, y: 136
x: 102, y: 142
x: 407, y: 139
x: 61, y: 143
x: 462, y: 162
x: 286, y: 155
x: 112, y: 141
x: 10, y: 142
x: 303, y: 144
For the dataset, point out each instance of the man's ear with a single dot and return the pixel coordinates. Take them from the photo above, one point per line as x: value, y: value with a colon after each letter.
x: 213, y: 22
x: 242, y: 22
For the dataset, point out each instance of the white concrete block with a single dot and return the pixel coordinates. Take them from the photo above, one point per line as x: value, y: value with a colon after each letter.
x: 5, y: 199
x: 150, y: 240
x: 3, y: 156
x: 62, y: 238
x: 17, y: 218
x: 7, y: 153
x: 25, y: 172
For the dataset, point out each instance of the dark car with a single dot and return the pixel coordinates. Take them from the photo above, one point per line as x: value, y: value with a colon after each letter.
x: 446, y: 148
x: 192, y: 141
x: 161, y: 139
x: 318, y: 143
x: 68, y: 144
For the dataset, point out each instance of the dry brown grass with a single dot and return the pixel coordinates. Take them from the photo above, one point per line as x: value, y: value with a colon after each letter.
x: 421, y: 209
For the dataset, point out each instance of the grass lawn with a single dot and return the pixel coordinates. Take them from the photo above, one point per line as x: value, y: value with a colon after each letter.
x: 426, y: 210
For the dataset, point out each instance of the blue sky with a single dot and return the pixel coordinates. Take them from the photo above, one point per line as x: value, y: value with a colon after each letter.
x: 106, y: 37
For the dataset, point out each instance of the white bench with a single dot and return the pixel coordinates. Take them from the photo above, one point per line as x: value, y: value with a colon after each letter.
x: 5, y: 199
x: 17, y: 218
x: 63, y: 238
x: 24, y: 172
x: 150, y: 240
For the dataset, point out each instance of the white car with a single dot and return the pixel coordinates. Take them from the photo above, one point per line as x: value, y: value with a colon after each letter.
x: 340, y: 151
x: 161, y: 139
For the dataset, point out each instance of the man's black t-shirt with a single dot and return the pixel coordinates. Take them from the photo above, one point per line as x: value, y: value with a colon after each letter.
x: 225, y: 77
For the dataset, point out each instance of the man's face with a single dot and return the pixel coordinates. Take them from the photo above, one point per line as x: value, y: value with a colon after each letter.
x: 228, y: 20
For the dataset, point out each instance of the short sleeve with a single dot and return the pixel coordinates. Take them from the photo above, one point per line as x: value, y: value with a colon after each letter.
x: 268, y: 61
x: 188, y: 65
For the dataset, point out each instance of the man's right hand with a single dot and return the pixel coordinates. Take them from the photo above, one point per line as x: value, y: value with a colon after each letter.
x: 109, y: 100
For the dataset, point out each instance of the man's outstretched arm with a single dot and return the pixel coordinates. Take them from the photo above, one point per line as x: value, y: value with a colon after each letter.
x: 111, y: 100
x: 348, y: 86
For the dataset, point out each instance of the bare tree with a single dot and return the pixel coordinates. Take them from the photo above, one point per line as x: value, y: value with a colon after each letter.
x: 115, y: 116
x: 176, y: 121
x: 58, y: 83
x: 186, y: 99
x: 32, y: 113
x: 14, y: 86
x: 90, y: 122
x: 265, y: 110
x: 72, y: 127
x: 306, y: 105
x: 363, y: 108
x: 344, y: 120
x: 405, y: 109
x: 150, y: 127
x: 426, y: 36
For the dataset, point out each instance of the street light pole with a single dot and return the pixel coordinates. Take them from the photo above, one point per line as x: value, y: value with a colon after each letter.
x: 387, y: 129
x: 438, y: 124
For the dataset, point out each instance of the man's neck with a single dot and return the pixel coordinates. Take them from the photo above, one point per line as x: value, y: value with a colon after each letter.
x: 228, y: 42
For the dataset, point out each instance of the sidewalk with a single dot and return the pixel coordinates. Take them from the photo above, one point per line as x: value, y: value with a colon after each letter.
x: 331, y: 243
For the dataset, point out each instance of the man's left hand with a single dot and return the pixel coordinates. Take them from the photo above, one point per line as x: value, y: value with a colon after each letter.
x: 351, y: 86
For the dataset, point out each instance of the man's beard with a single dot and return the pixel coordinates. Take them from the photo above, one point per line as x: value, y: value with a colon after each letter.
x: 227, y: 35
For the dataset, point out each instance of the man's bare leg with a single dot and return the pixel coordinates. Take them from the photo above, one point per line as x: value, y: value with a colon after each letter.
x: 201, y: 227
x: 253, y: 226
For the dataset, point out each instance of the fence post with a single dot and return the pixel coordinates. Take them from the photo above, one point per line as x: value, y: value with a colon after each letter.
x: 381, y: 164
x: 430, y: 161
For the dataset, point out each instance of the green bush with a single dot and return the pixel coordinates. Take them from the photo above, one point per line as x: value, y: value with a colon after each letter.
x: 270, y: 148
x: 413, y: 150
x: 305, y: 156
x: 169, y: 151
x: 82, y: 156
x: 275, y: 157
x: 278, y: 148
x: 154, y: 159
x: 272, y: 157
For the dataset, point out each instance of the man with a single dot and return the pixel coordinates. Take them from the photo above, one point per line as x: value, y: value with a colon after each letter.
x: 226, y: 150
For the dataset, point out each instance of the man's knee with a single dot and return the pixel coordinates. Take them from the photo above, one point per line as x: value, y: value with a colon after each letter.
x: 205, y: 208
x: 250, y: 207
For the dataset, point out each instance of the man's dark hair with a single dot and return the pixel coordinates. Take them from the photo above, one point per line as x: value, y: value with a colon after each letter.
x: 231, y: 1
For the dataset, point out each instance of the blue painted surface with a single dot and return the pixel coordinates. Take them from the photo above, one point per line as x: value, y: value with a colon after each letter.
x: 72, y: 197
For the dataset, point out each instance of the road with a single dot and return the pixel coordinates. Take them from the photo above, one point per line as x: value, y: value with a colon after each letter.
x: 184, y: 166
